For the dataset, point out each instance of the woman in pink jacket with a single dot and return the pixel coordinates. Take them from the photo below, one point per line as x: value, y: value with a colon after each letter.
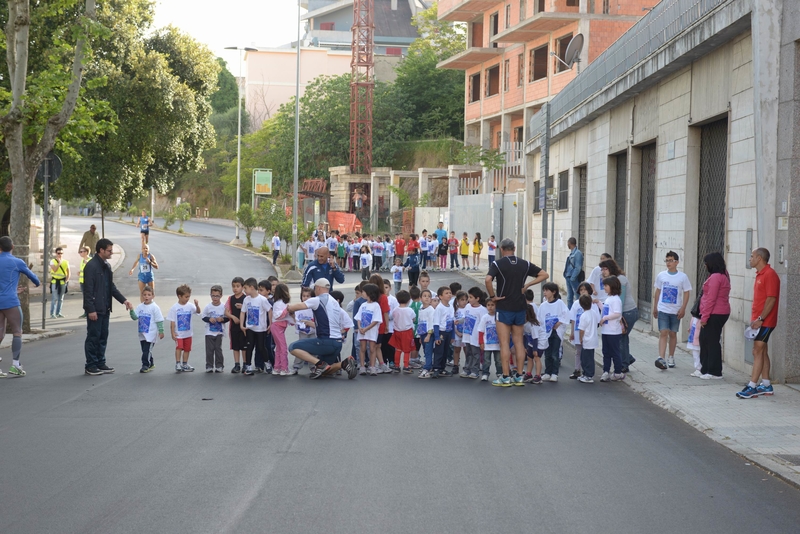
x: 715, y: 308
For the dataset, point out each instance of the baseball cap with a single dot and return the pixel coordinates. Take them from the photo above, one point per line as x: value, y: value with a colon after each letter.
x: 322, y: 282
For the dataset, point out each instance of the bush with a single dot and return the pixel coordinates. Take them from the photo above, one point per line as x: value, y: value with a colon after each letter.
x: 169, y: 218
x: 183, y: 212
x: 247, y: 220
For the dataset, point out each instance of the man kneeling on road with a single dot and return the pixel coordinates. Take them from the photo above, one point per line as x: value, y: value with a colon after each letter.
x: 323, y: 351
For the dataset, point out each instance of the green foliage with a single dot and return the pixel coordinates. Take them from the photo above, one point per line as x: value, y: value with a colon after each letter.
x: 402, y: 196
x: 491, y: 159
x: 227, y: 92
x: 183, y: 213
x: 247, y: 219
x: 271, y: 216
x: 169, y: 218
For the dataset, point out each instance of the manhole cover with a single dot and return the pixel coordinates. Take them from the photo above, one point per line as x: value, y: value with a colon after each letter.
x: 791, y: 458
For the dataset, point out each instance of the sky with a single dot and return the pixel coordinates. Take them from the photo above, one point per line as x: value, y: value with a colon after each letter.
x: 264, y: 23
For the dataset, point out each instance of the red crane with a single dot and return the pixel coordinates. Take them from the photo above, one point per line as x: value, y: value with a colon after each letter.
x: 362, y: 85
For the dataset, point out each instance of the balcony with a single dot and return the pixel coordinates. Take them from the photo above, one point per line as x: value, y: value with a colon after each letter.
x: 470, y: 58
x: 464, y: 10
x: 539, y: 24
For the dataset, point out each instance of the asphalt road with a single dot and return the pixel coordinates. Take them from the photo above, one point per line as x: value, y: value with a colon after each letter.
x: 196, y: 453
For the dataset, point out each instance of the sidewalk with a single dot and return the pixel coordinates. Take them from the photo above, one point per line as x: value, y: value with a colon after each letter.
x: 765, y: 430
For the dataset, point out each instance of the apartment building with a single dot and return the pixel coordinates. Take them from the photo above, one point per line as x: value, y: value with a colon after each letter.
x: 509, y: 65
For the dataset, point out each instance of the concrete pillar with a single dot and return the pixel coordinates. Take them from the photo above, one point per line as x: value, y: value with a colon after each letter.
x: 520, y: 223
x: 452, y: 191
x: 496, y: 209
x: 394, y: 200
x: 505, y: 122
x: 486, y: 134
x: 424, y: 184
x: 373, y: 201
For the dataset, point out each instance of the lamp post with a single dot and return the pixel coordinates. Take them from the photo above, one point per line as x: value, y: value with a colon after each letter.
x: 239, y: 134
x: 296, y: 144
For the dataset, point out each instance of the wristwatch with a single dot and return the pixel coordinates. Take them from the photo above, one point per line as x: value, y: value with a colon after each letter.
x: 759, y: 318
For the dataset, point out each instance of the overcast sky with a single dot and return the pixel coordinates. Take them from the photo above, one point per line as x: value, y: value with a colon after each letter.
x: 265, y: 23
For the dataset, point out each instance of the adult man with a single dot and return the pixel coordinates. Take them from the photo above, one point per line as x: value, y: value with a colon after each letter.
x: 763, y: 319
x: 276, y: 247
x: 89, y: 239
x: 596, y: 280
x: 323, y: 350
x: 399, y: 247
x: 441, y: 233
x: 323, y: 266
x: 511, y: 273
x: 98, y: 289
x: 10, y: 311
x: 572, y: 270
x: 143, y: 224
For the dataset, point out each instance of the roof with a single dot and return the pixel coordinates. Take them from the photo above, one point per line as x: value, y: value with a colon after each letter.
x: 388, y: 22
x: 344, y: 222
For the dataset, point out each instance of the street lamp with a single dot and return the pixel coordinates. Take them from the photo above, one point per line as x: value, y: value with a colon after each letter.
x: 239, y: 136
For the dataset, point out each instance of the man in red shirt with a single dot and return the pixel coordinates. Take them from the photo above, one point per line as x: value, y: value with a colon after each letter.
x: 399, y: 246
x: 763, y: 319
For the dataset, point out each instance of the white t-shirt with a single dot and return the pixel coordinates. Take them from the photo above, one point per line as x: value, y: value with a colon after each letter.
x: 276, y: 243
x: 612, y: 305
x: 444, y: 317
x: 256, y: 309
x: 472, y: 319
x: 355, y: 249
x: 310, y: 248
x: 403, y: 318
x: 425, y: 321
x: 300, y: 327
x: 458, y: 321
x: 492, y: 246
x: 538, y: 333
x: 393, y: 305
x: 389, y: 248
x: 366, y: 261
x: 433, y: 246
x: 214, y: 329
x: 332, y: 243
x: 672, y: 287
x: 181, y: 315
x: 377, y: 248
x: 397, y: 273
x: 368, y: 313
x: 149, y: 315
x: 488, y: 328
x: 596, y: 279
x: 551, y: 313
x: 327, y: 318
x: 281, y: 313
x: 588, y: 325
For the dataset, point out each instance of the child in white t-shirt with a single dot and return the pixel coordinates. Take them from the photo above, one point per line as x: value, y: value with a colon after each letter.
x: 180, y: 317
x: 397, y: 274
x: 253, y: 322
x: 214, y: 317
x: 304, y: 326
x: 489, y: 342
x: 473, y: 314
x: 672, y: 295
x: 368, y: 318
x: 536, y: 342
x: 554, y: 317
x: 403, y: 337
x: 588, y: 339
x: 365, y: 264
x: 459, y: 314
x: 611, y: 322
x: 575, y: 313
x: 151, y: 327
x: 425, y: 321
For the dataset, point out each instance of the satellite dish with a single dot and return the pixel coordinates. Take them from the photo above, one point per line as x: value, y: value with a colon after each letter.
x: 572, y: 55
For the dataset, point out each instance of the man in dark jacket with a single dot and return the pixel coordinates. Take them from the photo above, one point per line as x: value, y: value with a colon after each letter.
x: 98, y: 288
x: 322, y: 267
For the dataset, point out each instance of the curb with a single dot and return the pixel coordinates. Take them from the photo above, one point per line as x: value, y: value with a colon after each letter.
x: 36, y: 336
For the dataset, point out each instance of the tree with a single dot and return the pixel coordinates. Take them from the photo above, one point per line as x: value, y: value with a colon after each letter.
x: 436, y: 95
x: 39, y: 95
x: 183, y: 212
x: 247, y: 219
x: 227, y: 89
x: 271, y: 216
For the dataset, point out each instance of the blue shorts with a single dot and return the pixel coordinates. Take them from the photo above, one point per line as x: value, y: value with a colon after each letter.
x: 146, y: 278
x: 668, y: 321
x: 511, y: 318
x: 326, y: 350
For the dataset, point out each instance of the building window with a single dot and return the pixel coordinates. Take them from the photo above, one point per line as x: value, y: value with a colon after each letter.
x: 518, y: 134
x: 538, y: 63
x: 477, y: 34
x: 494, y: 26
x: 563, y: 190
x: 508, y: 16
x: 506, y: 75
x: 475, y: 87
x: 572, y: 3
x: 537, y: 188
x: 521, y: 69
x: 493, y: 80
x: 394, y: 51
x: 523, y: 7
x: 539, y: 6
x: 327, y: 26
x: 561, y: 50
x: 606, y: 8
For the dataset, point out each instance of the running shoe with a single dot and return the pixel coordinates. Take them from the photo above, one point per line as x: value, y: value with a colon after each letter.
x: 435, y: 373
x: 575, y: 374
x: 464, y: 374
x: 617, y: 377
x: 249, y: 371
x: 349, y: 366
x: 553, y: 378
x: 292, y: 371
x: 284, y: 373
x: 517, y: 380
x: 144, y: 369
x: 209, y: 369
x: 106, y: 369
x: 93, y: 371
x: 661, y: 363
x: 407, y: 370
x: 362, y: 370
x: 484, y: 378
x: 537, y: 380
x: 528, y: 378
x: 319, y: 370
x: 236, y: 368
x: 386, y: 369
x: 696, y: 374
x: 16, y: 371
x: 275, y: 372
x: 424, y: 374
x: 372, y: 371
x: 545, y: 377
x: 178, y: 368
x: 748, y: 393
x: 397, y: 369
x: 455, y: 369
x: 761, y: 389
x: 2, y: 374
x: 268, y: 367
x: 153, y: 365
x: 187, y: 368
x: 671, y: 362
x: 473, y: 375
x: 219, y: 369
x: 503, y: 382
x: 586, y: 379
x: 605, y: 378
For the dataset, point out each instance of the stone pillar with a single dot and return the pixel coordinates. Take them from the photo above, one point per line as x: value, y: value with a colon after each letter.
x: 496, y: 208
x: 394, y: 200
x: 373, y: 201
x: 424, y: 184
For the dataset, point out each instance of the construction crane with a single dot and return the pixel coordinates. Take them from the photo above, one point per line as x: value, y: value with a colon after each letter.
x: 362, y: 85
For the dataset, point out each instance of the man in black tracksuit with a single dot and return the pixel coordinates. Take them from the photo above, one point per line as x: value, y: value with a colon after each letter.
x: 98, y: 288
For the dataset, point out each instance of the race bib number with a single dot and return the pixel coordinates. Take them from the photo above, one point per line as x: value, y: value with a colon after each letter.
x: 469, y: 325
x: 491, y: 335
x: 144, y: 267
x: 184, y: 322
x: 144, y: 324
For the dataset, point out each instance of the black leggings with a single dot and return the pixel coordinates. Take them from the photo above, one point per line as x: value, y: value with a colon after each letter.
x: 413, y: 277
x: 710, y: 347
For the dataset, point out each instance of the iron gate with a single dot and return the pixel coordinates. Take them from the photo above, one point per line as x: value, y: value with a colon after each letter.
x: 620, y: 209
x: 581, y: 172
x: 713, y: 190
x: 647, y: 204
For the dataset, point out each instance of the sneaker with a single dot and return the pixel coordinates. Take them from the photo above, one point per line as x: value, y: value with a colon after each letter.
x: 671, y: 362
x: 715, y: 377
x: 187, y: 368
x: 748, y: 392
x: 106, y: 369
x: 618, y: 376
x: 705, y: 377
x: 484, y: 378
x: 209, y: 369
x: 445, y: 373
x: 350, y: 367
x: 502, y: 382
x: 545, y: 377
x: 386, y: 369
x: 696, y: 374
x: 59, y: 316
x: 397, y: 369
x: 52, y: 316
x: 575, y: 374
x: 455, y: 370
x: 292, y: 371
x: 661, y: 363
x: 537, y: 380
x: 372, y: 371
x: 274, y: 372
x: 249, y: 371
x: 178, y: 368
x: 463, y: 374
x: 362, y: 370
x: 16, y: 371
x: 416, y: 365
x: 762, y: 389
x: 435, y: 373
x: 236, y: 368
x: 424, y: 374
x: 624, y: 370
x: 553, y: 378
x: 586, y: 379
x: 2, y: 374
x: 219, y: 369
x: 268, y: 367
x: 284, y: 373
x: 473, y: 375
x: 153, y: 365
x: 407, y: 370
x: 93, y: 371
x: 320, y: 369
x: 517, y: 380
x: 144, y: 369
x: 605, y: 378
x: 450, y: 361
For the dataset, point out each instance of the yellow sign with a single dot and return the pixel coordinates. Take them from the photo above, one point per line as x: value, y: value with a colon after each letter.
x: 262, y: 180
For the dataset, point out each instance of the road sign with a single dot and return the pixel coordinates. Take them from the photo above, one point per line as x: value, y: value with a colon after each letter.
x: 552, y: 203
x: 50, y: 167
x: 262, y: 181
